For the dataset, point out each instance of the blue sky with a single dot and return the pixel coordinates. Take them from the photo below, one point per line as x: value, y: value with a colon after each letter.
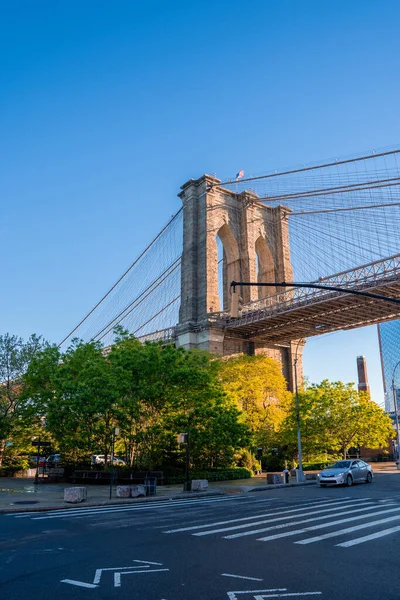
x: 107, y: 108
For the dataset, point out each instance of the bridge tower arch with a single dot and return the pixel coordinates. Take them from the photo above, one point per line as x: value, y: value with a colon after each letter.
x: 255, y: 240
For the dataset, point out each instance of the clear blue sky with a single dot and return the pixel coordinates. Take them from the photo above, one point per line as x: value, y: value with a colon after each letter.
x: 106, y: 108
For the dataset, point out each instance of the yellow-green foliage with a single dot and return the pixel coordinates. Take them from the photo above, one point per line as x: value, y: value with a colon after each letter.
x: 259, y: 389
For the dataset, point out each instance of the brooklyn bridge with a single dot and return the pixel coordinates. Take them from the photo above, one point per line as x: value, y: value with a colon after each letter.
x: 334, y: 223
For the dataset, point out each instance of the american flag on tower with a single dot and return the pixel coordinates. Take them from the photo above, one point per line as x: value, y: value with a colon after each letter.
x: 240, y: 174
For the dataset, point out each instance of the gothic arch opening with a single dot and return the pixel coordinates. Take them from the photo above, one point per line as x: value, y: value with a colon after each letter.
x: 228, y: 264
x: 265, y: 267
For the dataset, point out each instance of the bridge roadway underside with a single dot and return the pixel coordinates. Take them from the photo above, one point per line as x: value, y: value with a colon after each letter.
x: 316, y: 315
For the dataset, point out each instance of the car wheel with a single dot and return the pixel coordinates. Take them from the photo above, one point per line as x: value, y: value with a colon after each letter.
x: 322, y: 485
x: 369, y: 478
x: 349, y: 480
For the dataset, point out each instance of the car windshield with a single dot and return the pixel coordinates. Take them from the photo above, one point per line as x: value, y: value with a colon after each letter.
x: 341, y: 464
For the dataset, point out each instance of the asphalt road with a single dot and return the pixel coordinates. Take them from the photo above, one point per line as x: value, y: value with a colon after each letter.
x: 300, y: 542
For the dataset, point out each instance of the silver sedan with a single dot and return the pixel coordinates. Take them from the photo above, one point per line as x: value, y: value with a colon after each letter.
x: 346, y: 472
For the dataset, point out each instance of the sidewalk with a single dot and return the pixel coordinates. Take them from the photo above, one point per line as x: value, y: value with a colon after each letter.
x: 21, y: 494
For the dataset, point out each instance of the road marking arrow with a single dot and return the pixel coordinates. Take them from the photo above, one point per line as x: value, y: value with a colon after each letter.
x: 79, y: 583
x: 143, y: 567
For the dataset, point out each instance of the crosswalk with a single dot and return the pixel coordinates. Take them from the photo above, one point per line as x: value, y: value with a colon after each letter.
x: 339, y: 518
x: 143, y: 507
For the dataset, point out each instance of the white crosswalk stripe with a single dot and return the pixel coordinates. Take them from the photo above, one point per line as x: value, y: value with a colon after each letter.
x: 253, y: 517
x: 304, y: 514
x: 340, y: 532
x: 321, y: 515
x: 83, y: 512
x: 324, y: 525
x: 368, y: 538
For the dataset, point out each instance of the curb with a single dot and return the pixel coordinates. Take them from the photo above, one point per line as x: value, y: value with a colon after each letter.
x: 265, y: 488
x: 179, y: 496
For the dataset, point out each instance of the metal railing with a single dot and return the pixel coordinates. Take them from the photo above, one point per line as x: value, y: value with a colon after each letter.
x: 368, y: 276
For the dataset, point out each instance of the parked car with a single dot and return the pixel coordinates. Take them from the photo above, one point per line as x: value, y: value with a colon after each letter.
x: 346, y: 472
x: 53, y: 460
x: 42, y: 460
x: 100, y: 459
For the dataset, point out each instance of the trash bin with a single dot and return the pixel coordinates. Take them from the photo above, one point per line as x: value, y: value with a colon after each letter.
x: 285, y: 476
x: 151, y: 486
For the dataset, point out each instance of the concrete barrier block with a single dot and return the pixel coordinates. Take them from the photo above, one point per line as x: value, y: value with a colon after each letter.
x: 311, y: 476
x: 123, y: 491
x: 75, y: 494
x: 199, y: 485
x: 274, y: 478
x: 138, y: 490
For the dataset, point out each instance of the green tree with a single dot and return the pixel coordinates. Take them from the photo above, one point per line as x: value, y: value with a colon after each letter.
x: 165, y: 390
x: 334, y: 417
x: 259, y: 389
x: 76, y: 395
x: 15, y: 356
x: 149, y: 391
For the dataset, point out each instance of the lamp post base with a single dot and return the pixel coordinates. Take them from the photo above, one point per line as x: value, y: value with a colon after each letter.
x: 300, y: 477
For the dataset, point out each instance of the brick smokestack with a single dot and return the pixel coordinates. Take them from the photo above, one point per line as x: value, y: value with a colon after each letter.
x: 363, y: 385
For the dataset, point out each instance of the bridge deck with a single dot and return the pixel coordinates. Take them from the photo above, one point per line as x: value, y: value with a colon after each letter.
x: 298, y: 313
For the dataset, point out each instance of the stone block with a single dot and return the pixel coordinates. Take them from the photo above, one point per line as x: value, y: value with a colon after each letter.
x: 75, y: 494
x: 274, y: 478
x: 123, y: 491
x: 138, y: 490
x: 311, y: 476
x: 199, y: 485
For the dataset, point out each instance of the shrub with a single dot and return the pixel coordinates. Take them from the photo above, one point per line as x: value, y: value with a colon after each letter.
x: 213, y: 475
x: 11, y: 466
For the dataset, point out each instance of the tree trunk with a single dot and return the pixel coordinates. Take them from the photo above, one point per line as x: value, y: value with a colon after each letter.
x: 2, y: 450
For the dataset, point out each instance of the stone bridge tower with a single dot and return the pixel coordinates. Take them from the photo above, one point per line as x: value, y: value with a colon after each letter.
x: 255, y: 247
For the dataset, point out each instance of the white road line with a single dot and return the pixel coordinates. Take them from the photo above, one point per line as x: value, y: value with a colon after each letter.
x: 145, y: 506
x: 293, y: 523
x: 98, y: 573
x: 148, y: 506
x: 332, y: 534
x: 252, y: 518
x: 79, y: 583
x: 289, y: 594
x: 233, y: 595
x: 86, y: 512
x: 240, y: 577
x: 286, y: 518
x: 322, y: 526
x: 368, y: 538
x: 147, y: 562
x: 117, y: 576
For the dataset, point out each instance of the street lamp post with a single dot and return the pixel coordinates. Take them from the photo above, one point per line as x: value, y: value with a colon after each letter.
x: 300, y: 472
x: 396, y: 412
x: 115, y: 432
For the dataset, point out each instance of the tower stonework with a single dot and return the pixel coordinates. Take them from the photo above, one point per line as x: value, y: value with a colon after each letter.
x: 255, y: 240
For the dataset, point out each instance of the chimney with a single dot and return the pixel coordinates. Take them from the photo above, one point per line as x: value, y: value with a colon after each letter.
x: 363, y: 385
